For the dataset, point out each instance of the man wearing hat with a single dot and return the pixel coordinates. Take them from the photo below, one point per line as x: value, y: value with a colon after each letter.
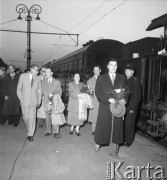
x: 134, y: 87
x: 109, y: 127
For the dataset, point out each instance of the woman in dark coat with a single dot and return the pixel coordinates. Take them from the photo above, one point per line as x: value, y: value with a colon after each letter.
x: 105, y: 133
x: 11, y: 107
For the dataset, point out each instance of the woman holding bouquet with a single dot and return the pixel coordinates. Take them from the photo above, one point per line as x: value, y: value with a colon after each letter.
x: 109, y: 128
x: 73, y: 104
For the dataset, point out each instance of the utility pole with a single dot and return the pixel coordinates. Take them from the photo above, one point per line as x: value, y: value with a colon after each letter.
x: 34, y: 9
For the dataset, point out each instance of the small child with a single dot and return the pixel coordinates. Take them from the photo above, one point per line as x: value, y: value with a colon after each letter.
x: 57, y: 116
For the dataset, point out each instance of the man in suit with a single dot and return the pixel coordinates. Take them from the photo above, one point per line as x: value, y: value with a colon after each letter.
x: 29, y: 94
x: 2, y: 75
x: 109, y: 128
x: 11, y: 109
x: 50, y: 86
x: 132, y: 106
x: 91, y: 84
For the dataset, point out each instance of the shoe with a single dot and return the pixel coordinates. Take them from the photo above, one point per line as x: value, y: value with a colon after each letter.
x: 115, y: 156
x: 93, y: 133
x: 77, y: 133
x: 97, y: 147
x: 47, y: 134
x: 126, y: 144
x: 57, y: 135
x: 30, y: 138
x: 71, y: 132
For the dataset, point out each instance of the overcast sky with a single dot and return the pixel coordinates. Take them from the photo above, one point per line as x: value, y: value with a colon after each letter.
x: 122, y: 20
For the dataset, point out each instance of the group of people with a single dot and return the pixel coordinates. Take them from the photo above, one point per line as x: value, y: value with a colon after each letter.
x: 40, y: 97
x: 107, y: 127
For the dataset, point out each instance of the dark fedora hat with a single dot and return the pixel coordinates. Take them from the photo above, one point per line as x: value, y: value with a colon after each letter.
x: 118, y: 109
x: 130, y: 66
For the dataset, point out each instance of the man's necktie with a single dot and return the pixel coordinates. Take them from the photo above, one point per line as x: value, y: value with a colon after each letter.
x: 32, y: 81
x: 112, y: 79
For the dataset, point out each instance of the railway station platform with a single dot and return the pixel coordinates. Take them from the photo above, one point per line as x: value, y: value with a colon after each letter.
x: 73, y: 157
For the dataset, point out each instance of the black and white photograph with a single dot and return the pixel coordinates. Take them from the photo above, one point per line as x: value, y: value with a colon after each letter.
x: 83, y: 89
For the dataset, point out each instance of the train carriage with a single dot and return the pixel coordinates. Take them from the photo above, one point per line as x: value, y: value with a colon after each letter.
x: 151, y: 69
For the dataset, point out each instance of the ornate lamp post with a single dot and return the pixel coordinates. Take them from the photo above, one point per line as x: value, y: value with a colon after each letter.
x: 34, y: 9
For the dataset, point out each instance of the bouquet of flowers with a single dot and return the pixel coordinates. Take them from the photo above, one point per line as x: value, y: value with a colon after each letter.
x: 119, y: 94
x: 86, y: 89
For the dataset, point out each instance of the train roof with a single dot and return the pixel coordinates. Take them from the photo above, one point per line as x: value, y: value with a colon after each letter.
x: 94, y: 47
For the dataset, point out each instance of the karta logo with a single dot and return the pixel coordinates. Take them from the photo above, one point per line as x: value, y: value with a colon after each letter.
x: 148, y: 172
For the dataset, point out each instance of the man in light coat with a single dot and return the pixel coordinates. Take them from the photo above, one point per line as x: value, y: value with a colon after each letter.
x: 50, y: 86
x: 29, y: 94
x: 91, y: 84
x: 40, y: 111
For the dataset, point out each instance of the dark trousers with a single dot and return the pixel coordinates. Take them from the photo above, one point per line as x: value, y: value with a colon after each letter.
x: 129, y: 127
x: 12, y: 119
x: 1, y: 105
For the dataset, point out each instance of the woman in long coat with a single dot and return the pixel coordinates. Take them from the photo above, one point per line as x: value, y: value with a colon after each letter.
x: 105, y: 133
x: 73, y: 105
x: 11, y: 107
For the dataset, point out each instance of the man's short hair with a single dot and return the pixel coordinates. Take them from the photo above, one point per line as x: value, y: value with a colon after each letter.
x: 11, y: 66
x: 96, y: 65
x: 33, y: 66
x: 111, y: 59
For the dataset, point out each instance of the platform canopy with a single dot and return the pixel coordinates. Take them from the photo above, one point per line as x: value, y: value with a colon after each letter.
x: 158, y: 22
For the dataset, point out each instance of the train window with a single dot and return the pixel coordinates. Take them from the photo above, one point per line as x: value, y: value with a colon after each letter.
x: 75, y: 65
x: 80, y: 65
x: 66, y: 67
x: 62, y: 68
x: 70, y: 67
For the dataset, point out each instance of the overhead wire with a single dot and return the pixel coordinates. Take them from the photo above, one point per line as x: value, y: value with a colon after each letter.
x: 88, y: 15
x: 82, y: 32
x: 66, y: 44
x: 77, y: 23
x: 8, y: 21
x: 57, y: 28
x: 103, y: 16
